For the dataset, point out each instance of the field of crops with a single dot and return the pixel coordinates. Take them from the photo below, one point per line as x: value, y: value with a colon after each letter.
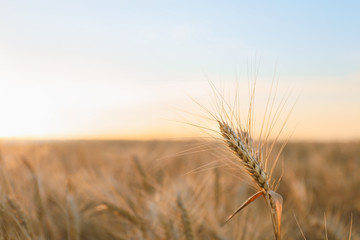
x: 171, y: 190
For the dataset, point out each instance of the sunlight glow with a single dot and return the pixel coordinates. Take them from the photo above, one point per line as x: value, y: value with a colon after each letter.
x: 112, y: 69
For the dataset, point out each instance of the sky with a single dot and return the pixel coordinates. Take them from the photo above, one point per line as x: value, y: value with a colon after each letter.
x: 129, y: 69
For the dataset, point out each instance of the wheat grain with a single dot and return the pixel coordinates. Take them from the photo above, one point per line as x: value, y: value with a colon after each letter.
x: 240, y: 144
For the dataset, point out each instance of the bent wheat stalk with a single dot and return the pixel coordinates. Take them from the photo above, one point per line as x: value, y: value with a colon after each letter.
x: 240, y: 143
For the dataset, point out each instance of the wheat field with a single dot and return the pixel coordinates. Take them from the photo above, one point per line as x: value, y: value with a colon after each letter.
x: 171, y: 190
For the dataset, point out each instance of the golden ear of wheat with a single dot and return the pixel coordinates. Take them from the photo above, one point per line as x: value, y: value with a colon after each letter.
x: 239, y: 145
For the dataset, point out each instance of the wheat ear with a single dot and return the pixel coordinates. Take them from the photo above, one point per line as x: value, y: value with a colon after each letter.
x: 240, y: 144
x: 185, y: 220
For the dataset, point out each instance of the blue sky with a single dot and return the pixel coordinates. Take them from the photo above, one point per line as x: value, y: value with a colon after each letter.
x: 104, y: 56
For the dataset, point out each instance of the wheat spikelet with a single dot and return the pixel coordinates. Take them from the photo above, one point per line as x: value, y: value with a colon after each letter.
x: 125, y: 214
x: 185, y: 220
x: 251, y: 164
x: 21, y: 216
x: 240, y: 144
x: 148, y: 186
x: 121, y: 212
x: 251, y: 155
x: 37, y: 193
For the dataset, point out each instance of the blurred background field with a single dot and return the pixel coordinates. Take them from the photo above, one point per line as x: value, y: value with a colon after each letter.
x: 106, y: 70
x: 170, y: 190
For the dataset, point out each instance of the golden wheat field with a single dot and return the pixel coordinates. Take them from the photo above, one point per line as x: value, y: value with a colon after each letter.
x: 171, y: 190
x: 179, y: 120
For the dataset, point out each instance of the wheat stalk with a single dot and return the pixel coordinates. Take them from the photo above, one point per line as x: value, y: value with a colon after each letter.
x: 240, y: 143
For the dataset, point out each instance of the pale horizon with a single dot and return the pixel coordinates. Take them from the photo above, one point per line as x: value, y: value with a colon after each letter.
x: 121, y: 70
